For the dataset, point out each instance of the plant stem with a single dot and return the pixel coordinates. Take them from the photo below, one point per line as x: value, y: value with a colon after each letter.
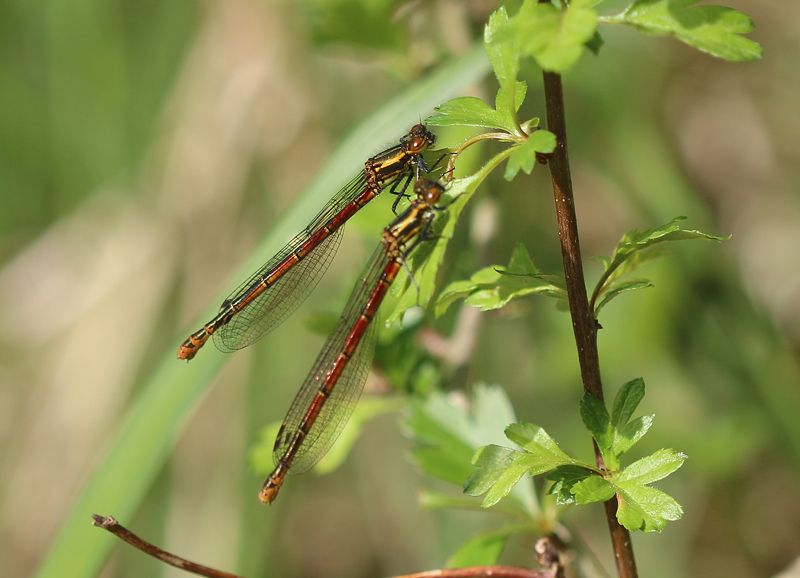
x: 501, y: 136
x: 483, y: 572
x: 110, y: 524
x: 583, y: 323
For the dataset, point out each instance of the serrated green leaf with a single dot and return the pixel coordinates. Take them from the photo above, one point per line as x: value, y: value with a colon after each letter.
x: 596, y: 419
x: 504, y: 58
x: 524, y: 156
x: 500, y: 468
x: 502, y: 54
x: 454, y: 291
x: 593, y: 489
x: 480, y: 550
x: 519, y: 94
x: 521, y: 261
x: 712, y: 29
x: 629, y: 434
x: 651, y: 468
x: 466, y: 111
x: 616, y: 289
x: 535, y: 440
x: 647, y: 509
x: 626, y: 401
x: 497, y: 465
x: 530, y: 125
x: 493, y: 287
x: 629, y: 254
x: 555, y: 38
x: 563, y: 478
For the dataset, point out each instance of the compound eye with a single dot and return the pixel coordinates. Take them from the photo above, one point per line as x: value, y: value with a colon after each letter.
x: 417, y: 144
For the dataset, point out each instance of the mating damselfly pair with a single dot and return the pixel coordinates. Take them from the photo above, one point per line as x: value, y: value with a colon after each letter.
x: 331, y: 390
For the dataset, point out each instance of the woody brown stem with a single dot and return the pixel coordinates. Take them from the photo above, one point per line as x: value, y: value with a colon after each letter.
x: 583, y: 323
x: 110, y: 524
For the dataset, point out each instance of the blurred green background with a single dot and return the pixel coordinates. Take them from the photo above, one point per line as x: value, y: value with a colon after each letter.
x: 146, y: 147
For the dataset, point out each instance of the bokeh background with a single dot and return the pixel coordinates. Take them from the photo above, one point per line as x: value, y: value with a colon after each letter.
x: 146, y: 147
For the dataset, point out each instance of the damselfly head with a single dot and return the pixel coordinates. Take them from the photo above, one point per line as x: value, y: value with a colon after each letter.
x: 419, y: 138
x: 430, y: 191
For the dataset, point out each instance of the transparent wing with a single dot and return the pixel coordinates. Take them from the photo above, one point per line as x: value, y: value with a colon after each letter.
x: 275, y: 303
x: 339, y: 404
x: 279, y: 301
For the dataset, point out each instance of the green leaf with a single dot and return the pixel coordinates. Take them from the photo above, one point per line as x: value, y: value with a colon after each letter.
x: 712, y: 29
x: 493, y: 287
x: 593, y: 489
x: 555, y: 38
x: 480, y: 550
x: 465, y: 111
x: 521, y: 262
x: 629, y: 434
x: 534, y: 439
x: 647, y: 509
x: 614, y: 435
x: 629, y: 255
x: 499, y: 470
x: 652, y: 468
x: 563, y: 478
x: 626, y: 401
x: 626, y: 432
x: 451, y: 434
x: 616, y: 289
x: 524, y: 156
x: 635, y: 260
x: 596, y: 419
x: 504, y: 58
x: 472, y: 111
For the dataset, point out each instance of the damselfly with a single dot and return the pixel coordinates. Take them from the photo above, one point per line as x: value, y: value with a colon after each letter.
x: 273, y: 292
x: 330, y: 392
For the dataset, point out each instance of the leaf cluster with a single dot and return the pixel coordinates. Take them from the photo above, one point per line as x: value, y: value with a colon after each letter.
x: 495, y: 286
x: 640, y: 506
x: 634, y: 250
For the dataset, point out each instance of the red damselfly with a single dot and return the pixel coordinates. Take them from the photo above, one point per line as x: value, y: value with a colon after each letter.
x: 273, y: 292
x: 331, y: 390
